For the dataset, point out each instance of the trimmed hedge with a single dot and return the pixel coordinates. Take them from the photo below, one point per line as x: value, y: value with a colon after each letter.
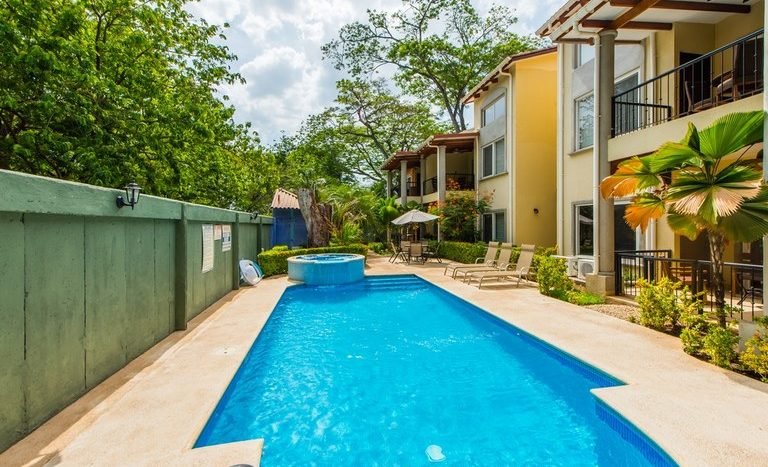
x: 275, y: 261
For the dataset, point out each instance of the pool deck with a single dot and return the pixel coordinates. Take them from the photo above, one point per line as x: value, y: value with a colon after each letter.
x: 150, y: 412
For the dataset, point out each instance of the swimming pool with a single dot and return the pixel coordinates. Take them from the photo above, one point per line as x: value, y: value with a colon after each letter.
x: 376, y: 372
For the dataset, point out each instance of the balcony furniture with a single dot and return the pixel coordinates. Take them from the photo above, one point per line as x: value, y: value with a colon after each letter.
x: 746, y: 76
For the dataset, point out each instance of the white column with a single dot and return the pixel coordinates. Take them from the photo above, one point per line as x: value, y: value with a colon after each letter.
x: 561, y: 67
x: 422, y: 173
x: 765, y: 162
x: 389, y: 183
x: 404, y: 182
x: 440, y: 182
x: 603, y: 281
x: 441, y: 173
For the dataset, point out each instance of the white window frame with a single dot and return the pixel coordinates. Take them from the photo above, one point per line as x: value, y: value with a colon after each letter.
x: 494, y: 170
x: 576, y: 101
x: 635, y: 72
x: 499, y: 100
x: 576, y: 224
x: 577, y: 55
x: 494, y: 221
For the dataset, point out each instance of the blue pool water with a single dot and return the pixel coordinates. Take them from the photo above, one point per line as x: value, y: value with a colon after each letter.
x: 372, y: 373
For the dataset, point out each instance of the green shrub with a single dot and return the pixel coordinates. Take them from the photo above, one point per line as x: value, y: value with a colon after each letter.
x: 379, y: 248
x: 553, y: 277
x: 276, y: 261
x: 719, y: 345
x: 695, y: 330
x: 583, y: 298
x: 664, y: 302
x: 755, y: 355
x: 461, y: 252
x: 280, y: 248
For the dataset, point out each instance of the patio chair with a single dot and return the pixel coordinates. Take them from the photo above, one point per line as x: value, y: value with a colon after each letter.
x: 416, y: 252
x: 428, y: 253
x: 397, y: 253
x: 510, y: 271
x: 490, y: 259
x: 502, y: 262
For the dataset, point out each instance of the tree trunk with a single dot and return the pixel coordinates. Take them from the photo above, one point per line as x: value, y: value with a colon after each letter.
x: 314, y: 218
x: 716, y: 249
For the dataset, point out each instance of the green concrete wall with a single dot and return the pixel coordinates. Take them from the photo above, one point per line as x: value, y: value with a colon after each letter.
x: 86, y: 287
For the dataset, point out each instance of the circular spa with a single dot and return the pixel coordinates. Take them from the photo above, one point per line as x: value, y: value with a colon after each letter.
x: 326, y: 268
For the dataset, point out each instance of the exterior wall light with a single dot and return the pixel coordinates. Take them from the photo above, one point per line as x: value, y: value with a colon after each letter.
x: 535, y: 210
x: 132, y: 193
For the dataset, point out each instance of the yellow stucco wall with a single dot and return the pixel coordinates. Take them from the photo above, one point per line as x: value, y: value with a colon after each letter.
x: 535, y: 150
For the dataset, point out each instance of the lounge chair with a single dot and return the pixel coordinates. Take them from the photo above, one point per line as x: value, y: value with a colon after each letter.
x: 489, y: 260
x: 518, y: 270
x: 501, y: 263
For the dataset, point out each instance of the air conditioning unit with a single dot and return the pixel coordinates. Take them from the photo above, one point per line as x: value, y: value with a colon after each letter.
x: 571, y: 264
x: 585, y: 266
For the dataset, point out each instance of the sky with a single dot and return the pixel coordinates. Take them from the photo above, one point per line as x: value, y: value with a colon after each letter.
x: 278, y: 43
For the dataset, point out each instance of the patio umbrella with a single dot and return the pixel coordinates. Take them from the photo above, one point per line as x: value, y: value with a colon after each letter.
x: 414, y: 216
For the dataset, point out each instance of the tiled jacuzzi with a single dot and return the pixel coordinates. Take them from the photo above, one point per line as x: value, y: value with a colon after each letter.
x: 327, y: 268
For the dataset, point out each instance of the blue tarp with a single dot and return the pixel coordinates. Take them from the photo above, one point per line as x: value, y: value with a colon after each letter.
x: 288, y: 228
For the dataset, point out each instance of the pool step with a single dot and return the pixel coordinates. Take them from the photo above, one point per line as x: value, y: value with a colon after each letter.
x: 392, y: 282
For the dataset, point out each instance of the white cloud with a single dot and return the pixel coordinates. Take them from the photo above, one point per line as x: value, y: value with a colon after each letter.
x: 278, y: 44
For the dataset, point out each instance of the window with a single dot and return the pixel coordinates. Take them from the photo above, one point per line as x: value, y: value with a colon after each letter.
x: 585, y: 121
x: 584, y: 53
x: 494, y: 158
x: 493, y: 111
x: 584, y: 234
x: 626, y: 116
x: 494, y: 227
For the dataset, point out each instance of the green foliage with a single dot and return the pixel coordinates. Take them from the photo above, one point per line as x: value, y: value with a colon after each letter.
x: 439, y: 49
x: 552, y: 276
x: 349, y: 141
x: 663, y: 303
x: 695, y: 329
x: 710, y: 192
x: 355, y: 214
x: 460, y: 252
x: 108, y: 91
x: 280, y: 248
x: 276, y: 262
x: 583, y: 298
x: 755, y: 354
x: 379, y: 248
x: 458, y: 215
x: 719, y: 345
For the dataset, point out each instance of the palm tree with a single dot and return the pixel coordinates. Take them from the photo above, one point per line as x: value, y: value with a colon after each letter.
x: 702, y: 184
x: 388, y: 211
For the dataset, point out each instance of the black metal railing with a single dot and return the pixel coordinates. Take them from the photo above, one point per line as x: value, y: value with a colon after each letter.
x: 412, y: 189
x: 729, y: 73
x: 453, y: 182
x: 743, y: 282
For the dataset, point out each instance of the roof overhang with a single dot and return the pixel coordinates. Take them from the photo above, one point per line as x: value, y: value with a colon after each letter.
x: 463, y: 141
x: 579, y: 20
x: 503, y: 67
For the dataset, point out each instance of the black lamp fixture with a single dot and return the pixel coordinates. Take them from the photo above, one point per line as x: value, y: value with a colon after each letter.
x: 132, y: 193
x: 536, y: 211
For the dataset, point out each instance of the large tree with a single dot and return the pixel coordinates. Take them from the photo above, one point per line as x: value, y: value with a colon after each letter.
x: 349, y: 141
x: 439, y: 48
x: 104, y: 91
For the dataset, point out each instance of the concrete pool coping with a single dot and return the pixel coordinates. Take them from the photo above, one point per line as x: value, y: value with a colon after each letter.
x: 152, y: 411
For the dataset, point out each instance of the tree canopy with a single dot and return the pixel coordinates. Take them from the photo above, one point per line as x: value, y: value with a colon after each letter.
x: 439, y: 49
x: 107, y: 91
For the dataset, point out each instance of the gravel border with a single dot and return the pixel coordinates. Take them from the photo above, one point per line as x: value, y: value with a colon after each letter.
x: 617, y: 311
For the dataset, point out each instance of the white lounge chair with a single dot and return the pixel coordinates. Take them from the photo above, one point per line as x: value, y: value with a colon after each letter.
x: 501, y: 263
x: 522, y: 268
x: 489, y: 260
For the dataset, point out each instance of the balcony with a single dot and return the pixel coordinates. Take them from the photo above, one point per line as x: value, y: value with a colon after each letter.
x: 724, y: 75
x: 454, y: 182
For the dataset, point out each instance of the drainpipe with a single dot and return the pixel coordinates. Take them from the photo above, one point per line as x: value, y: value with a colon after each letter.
x: 509, y: 140
x: 560, y: 214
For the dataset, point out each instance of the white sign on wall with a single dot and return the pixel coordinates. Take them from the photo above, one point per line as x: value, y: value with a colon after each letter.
x: 207, y: 247
x: 226, y: 238
x: 217, y: 232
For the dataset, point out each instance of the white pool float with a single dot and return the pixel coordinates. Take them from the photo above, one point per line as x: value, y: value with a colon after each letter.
x: 250, y: 272
x: 435, y: 453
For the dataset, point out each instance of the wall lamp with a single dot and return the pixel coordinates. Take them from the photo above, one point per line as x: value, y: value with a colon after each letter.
x: 535, y: 210
x: 132, y: 193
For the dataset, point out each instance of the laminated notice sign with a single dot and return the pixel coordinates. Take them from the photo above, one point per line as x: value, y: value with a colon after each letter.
x: 207, y: 247
x: 226, y: 238
x: 217, y: 232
